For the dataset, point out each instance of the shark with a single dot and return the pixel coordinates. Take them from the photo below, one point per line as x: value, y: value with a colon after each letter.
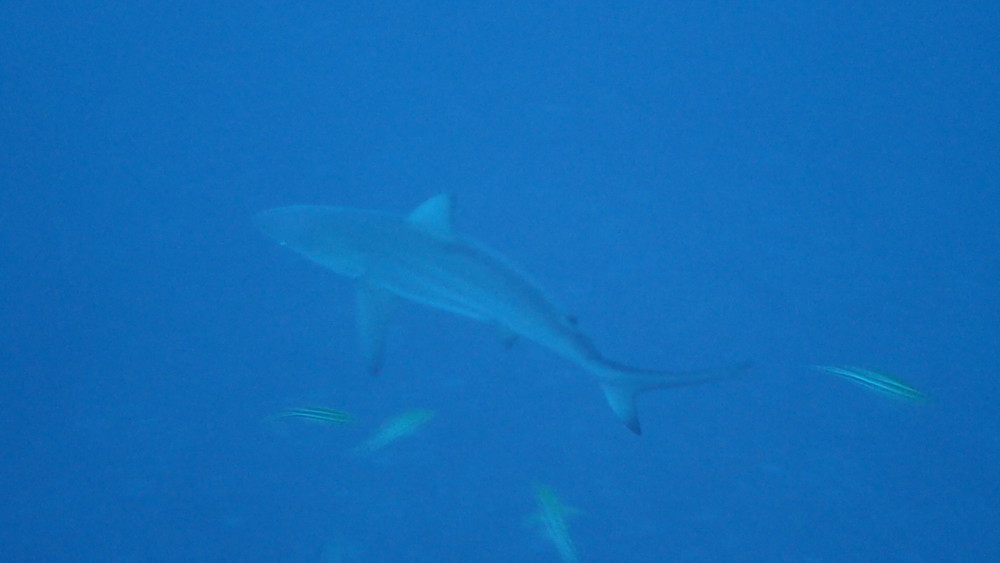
x: 420, y: 258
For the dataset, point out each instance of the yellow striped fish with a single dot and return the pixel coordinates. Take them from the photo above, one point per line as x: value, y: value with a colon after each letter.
x: 878, y: 382
x: 322, y: 415
x: 394, y: 429
x: 551, y: 516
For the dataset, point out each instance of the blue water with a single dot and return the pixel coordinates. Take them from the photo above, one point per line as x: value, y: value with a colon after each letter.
x: 699, y: 183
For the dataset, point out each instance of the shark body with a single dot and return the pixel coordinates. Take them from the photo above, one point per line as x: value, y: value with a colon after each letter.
x: 419, y: 257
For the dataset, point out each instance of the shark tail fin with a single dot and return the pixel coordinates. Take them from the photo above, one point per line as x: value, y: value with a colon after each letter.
x: 622, y: 401
x: 621, y: 385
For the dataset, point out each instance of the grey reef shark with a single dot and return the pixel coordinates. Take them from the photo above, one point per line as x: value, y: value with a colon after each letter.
x: 419, y: 257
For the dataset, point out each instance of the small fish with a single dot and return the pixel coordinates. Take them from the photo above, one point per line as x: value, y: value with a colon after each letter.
x: 878, y: 382
x: 322, y: 415
x: 551, y: 516
x: 394, y: 429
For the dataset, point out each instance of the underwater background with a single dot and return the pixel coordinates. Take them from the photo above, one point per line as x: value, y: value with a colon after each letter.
x: 699, y: 183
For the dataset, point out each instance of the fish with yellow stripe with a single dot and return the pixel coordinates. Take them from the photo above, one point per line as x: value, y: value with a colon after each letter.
x: 551, y: 517
x: 321, y: 415
x: 879, y: 382
x: 393, y: 429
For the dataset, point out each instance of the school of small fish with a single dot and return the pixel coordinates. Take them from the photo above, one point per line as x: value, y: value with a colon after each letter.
x: 552, y: 515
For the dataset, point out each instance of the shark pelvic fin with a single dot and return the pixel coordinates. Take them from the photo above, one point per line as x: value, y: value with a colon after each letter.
x: 434, y: 216
x: 376, y: 308
x: 507, y: 336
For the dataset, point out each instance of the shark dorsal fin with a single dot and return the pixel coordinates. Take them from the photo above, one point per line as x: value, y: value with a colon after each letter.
x: 434, y: 216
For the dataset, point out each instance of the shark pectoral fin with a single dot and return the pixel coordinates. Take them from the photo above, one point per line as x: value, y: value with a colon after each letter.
x: 376, y: 307
x: 622, y: 401
x: 434, y: 216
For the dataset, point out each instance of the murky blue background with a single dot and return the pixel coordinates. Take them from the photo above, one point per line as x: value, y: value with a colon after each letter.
x: 698, y: 183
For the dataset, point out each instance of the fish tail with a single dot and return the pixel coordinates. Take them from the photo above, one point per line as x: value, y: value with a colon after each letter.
x: 621, y: 384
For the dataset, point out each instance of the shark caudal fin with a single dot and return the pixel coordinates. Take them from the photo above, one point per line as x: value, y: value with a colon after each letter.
x: 621, y: 385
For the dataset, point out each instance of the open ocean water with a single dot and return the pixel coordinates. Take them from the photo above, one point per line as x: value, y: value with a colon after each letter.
x: 699, y: 184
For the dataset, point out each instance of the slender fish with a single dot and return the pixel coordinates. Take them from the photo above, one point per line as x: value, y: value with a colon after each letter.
x: 551, y: 516
x: 322, y: 415
x: 879, y: 382
x: 395, y: 428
